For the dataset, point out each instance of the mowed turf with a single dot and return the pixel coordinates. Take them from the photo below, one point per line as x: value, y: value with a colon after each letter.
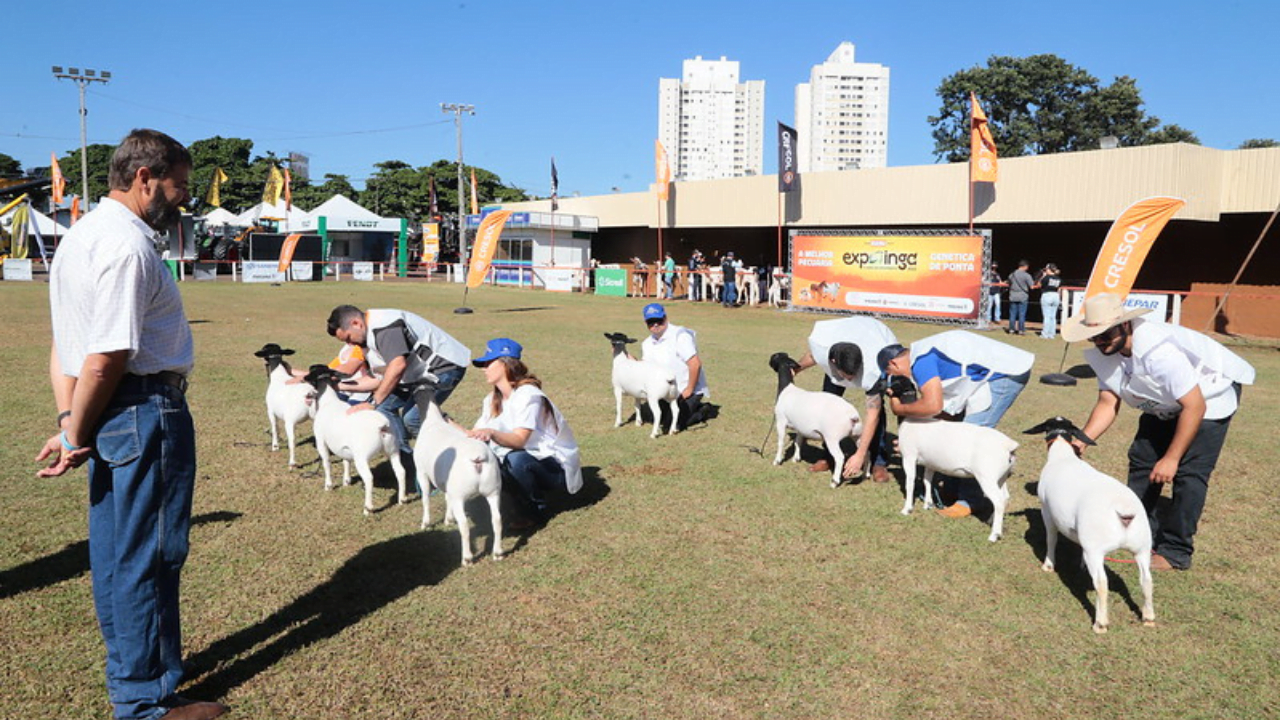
x: 690, y: 578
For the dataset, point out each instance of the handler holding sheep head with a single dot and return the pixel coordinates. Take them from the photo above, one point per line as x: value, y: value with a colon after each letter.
x: 1187, y: 387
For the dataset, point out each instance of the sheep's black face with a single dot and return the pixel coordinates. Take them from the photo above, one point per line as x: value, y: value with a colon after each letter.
x: 780, y: 360
x: 272, y: 350
x: 318, y: 376
x: 903, y: 388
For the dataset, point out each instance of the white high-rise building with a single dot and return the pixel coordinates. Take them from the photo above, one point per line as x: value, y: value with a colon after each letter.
x: 842, y: 114
x: 711, y: 124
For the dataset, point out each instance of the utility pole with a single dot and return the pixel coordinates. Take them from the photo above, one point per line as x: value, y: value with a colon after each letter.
x: 457, y: 110
x: 83, y: 79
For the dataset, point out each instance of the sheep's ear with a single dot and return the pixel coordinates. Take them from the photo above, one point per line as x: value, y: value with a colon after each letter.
x: 286, y: 352
x: 1078, y: 434
x: 1037, y: 430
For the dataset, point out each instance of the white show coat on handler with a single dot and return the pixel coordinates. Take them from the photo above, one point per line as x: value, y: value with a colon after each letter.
x: 869, y: 334
x: 673, y: 349
x: 550, y: 434
x: 971, y: 351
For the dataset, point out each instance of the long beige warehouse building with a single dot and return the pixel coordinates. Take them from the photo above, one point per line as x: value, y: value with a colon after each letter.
x: 1050, y: 208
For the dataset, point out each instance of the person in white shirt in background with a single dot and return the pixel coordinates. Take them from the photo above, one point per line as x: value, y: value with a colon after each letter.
x: 1187, y: 387
x: 526, y: 430
x: 676, y: 347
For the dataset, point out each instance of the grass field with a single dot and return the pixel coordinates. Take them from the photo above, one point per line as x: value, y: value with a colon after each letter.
x: 690, y: 578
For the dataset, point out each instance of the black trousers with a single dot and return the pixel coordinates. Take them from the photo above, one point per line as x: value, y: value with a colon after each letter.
x: 1173, y: 533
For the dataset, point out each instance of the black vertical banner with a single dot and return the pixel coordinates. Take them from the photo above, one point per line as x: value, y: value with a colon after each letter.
x: 787, y: 172
x: 555, y: 187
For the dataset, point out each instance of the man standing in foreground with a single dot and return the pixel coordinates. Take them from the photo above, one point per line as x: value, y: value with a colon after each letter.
x: 676, y: 347
x: 122, y: 350
x: 1187, y: 387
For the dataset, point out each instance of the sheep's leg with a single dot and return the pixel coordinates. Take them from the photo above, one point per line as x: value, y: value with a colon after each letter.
x: 495, y: 511
x: 837, y: 468
x: 928, y: 488
x: 397, y: 467
x: 1143, y: 559
x: 1050, y: 539
x: 999, y: 497
x: 656, y: 409
x: 617, y: 399
x: 782, y: 440
x: 275, y: 439
x: 675, y: 416
x: 326, y: 463
x: 640, y: 404
x: 289, y: 432
x: 346, y: 472
x: 909, y: 483
x: 425, y: 484
x: 366, y: 474
x: 1093, y: 559
x: 464, y: 527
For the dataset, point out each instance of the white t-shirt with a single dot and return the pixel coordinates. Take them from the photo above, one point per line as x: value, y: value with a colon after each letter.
x: 550, y: 434
x: 109, y: 290
x: 869, y: 334
x: 1168, y: 361
x: 674, y: 349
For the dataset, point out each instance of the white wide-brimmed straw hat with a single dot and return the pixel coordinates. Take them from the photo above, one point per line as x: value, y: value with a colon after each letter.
x: 1100, y: 313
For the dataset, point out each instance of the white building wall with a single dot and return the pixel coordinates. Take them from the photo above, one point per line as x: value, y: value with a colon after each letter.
x: 842, y: 114
x: 711, y: 124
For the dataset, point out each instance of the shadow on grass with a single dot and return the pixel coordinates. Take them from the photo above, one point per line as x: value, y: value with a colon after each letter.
x: 70, y: 562
x: 375, y: 577
x: 526, y: 309
x: 1069, y: 564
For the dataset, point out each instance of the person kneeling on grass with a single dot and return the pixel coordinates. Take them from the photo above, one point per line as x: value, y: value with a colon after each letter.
x: 525, y: 429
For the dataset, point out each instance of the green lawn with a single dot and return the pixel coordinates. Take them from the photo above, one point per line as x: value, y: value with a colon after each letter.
x: 691, y: 577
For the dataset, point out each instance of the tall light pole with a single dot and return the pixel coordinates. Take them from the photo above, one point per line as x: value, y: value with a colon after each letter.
x: 83, y: 79
x: 457, y: 111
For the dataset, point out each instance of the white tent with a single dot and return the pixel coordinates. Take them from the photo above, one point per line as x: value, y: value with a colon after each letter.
x: 343, y: 207
x: 219, y: 216
x: 43, y: 223
x: 293, y: 217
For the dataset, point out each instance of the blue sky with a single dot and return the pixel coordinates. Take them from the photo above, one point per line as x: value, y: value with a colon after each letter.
x: 352, y: 84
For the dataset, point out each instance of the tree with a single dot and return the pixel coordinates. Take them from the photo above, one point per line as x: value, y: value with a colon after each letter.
x: 308, y: 197
x: 9, y: 167
x: 1043, y: 104
x: 1255, y: 143
x: 99, y: 167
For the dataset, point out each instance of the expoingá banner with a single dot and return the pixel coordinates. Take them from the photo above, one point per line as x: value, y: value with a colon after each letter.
x: 934, y: 276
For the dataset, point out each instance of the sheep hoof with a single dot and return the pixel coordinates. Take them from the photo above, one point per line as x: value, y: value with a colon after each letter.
x: 906, y: 511
x: 468, y: 562
x: 1100, y: 629
x: 993, y: 537
x: 777, y: 461
x: 368, y: 511
x: 835, y: 484
x: 275, y: 447
x: 1047, y: 567
x: 328, y: 486
x: 499, y: 555
x: 1149, y: 623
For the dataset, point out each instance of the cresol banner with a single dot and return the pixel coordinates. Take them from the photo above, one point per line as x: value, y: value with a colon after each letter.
x: 936, y: 276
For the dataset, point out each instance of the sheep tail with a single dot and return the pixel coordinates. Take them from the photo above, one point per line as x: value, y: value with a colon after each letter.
x: 1126, y: 518
x: 478, y: 462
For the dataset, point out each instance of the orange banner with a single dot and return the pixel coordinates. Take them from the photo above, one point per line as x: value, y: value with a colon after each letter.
x: 287, y: 249
x: 661, y: 168
x: 937, y: 276
x: 486, y: 243
x: 982, y: 147
x: 1128, y: 242
x: 59, y: 182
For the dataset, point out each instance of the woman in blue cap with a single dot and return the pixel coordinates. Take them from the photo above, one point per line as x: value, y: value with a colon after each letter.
x: 525, y: 429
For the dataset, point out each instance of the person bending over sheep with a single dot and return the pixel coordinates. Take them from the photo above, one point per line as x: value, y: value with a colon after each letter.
x: 676, y: 347
x: 526, y: 431
x: 960, y: 376
x: 1187, y: 387
x: 842, y: 349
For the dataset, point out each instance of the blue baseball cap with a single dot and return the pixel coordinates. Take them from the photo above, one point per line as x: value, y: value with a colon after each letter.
x: 654, y: 311
x: 887, y: 354
x: 498, y: 348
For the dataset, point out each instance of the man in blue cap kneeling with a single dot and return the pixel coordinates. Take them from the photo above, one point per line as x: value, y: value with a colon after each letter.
x: 676, y: 347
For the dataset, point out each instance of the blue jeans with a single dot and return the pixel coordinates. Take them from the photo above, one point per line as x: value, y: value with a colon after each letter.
x: 533, y: 477
x: 1049, y: 303
x: 995, y: 307
x: 1017, y: 316
x: 141, y: 480
x: 730, y: 294
x: 405, y: 419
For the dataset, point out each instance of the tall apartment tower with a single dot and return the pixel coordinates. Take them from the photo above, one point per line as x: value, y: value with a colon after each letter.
x: 842, y: 114
x: 711, y: 124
